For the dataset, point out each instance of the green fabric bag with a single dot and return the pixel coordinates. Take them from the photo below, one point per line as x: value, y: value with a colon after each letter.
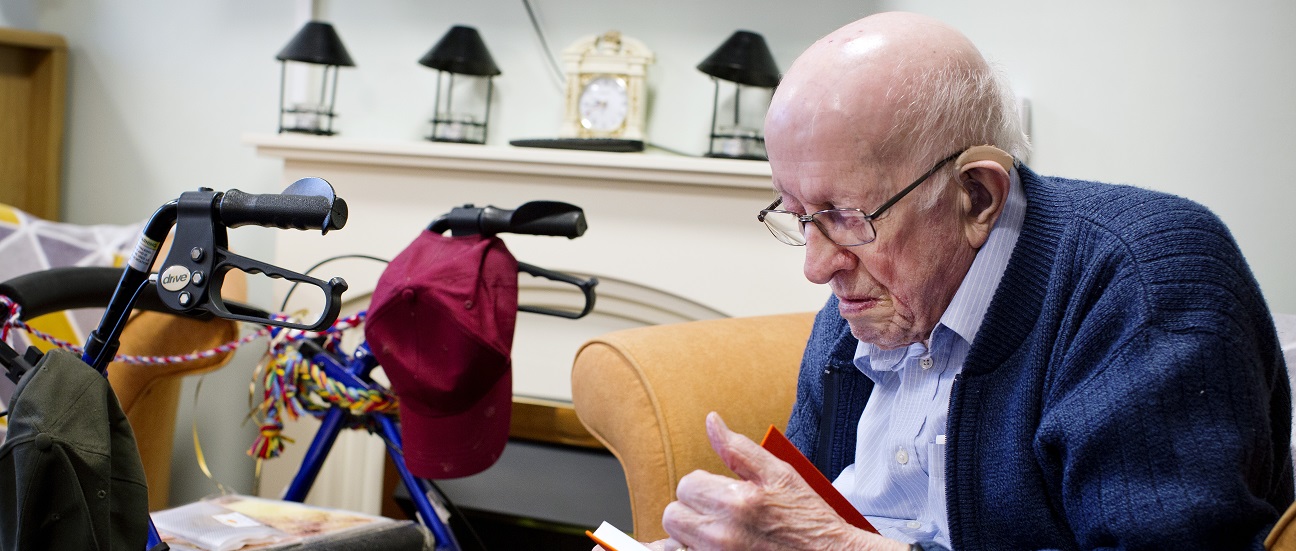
x: 70, y: 472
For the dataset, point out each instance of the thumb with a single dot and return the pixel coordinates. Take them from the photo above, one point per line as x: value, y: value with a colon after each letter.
x: 743, y: 456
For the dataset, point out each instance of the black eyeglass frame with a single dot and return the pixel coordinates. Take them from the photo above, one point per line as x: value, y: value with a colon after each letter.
x: 868, y: 217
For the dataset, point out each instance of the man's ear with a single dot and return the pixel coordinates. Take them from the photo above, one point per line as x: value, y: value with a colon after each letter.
x: 985, y: 186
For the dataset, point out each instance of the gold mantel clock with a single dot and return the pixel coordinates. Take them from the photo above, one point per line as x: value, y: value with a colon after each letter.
x: 606, y: 95
x: 605, y: 87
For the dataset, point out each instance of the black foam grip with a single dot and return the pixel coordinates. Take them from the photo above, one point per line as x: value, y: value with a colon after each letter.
x: 302, y: 212
x: 570, y: 224
x: 536, y: 218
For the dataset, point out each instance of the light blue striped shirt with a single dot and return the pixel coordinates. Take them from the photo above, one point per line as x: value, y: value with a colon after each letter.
x: 898, y: 478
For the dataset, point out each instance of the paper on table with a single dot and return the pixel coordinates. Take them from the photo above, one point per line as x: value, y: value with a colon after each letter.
x: 612, y: 538
x: 230, y: 522
x: 207, y: 525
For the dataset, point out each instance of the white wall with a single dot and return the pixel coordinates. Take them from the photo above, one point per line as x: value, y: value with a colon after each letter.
x: 1192, y: 97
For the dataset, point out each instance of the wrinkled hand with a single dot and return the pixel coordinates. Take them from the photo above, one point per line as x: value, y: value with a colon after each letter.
x: 770, y: 507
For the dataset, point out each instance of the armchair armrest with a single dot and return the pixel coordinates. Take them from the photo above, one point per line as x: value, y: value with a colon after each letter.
x: 150, y: 394
x: 645, y: 393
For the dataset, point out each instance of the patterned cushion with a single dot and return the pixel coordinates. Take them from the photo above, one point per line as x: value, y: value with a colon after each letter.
x: 29, y: 244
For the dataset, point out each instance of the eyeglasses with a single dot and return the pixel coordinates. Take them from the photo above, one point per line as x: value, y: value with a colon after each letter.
x: 845, y: 227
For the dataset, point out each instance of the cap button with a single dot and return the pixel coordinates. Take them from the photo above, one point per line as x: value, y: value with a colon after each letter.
x: 468, y: 305
x: 43, y: 441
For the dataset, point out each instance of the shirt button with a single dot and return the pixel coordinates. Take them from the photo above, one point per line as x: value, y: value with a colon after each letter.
x: 902, y: 456
x: 913, y: 525
x: 927, y: 362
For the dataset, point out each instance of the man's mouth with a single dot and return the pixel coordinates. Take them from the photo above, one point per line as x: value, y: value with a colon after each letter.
x: 849, y: 305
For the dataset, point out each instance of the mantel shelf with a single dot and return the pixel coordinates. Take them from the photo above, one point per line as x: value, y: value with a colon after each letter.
x: 671, y: 238
x: 593, y: 165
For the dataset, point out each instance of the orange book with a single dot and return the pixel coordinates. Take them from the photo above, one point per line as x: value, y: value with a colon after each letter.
x: 782, y: 448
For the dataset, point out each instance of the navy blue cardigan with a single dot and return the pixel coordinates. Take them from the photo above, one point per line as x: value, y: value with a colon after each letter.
x: 1126, y: 389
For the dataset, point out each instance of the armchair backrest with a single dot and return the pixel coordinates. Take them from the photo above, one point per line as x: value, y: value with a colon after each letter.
x: 645, y: 393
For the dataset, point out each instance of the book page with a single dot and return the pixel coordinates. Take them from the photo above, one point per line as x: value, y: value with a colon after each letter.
x: 612, y: 538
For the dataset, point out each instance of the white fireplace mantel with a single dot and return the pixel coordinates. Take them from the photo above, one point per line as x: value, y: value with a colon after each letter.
x: 520, y: 161
x: 671, y: 238
x: 683, y: 226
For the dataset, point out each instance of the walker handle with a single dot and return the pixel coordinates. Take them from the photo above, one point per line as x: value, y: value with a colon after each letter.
x: 533, y: 218
x: 308, y: 204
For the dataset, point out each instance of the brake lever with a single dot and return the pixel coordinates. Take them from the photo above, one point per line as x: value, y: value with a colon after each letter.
x: 586, y: 286
x: 191, y: 276
x: 227, y: 261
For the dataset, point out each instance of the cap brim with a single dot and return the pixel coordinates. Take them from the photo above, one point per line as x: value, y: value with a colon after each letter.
x: 461, y: 444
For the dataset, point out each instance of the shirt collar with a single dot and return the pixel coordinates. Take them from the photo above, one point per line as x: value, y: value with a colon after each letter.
x: 873, y: 360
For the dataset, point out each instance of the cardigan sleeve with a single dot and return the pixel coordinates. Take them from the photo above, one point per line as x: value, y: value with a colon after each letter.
x: 1168, y: 445
x: 1166, y: 413
x: 1146, y: 407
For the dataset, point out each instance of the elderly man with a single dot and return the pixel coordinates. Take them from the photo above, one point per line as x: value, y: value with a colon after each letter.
x: 1009, y: 361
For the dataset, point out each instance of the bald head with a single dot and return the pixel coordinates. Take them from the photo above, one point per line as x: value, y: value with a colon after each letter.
x: 893, y: 86
x: 860, y: 115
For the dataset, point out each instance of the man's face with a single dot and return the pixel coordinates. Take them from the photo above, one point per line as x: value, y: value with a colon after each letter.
x: 832, y: 111
x: 894, y: 290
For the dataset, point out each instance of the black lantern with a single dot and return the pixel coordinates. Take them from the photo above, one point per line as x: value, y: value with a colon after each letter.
x: 463, y: 115
x: 744, y: 60
x: 318, y: 46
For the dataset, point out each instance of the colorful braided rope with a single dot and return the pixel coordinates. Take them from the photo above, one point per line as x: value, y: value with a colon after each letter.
x: 15, y: 312
x: 291, y: 384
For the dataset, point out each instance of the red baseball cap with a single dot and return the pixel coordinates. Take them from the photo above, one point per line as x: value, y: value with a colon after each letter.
x: 441, y: 325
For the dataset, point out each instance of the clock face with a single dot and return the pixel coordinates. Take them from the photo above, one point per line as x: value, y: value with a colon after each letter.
x: 604, y: 104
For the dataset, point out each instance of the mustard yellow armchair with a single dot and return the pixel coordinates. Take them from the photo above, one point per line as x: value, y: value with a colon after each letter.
x: 150, y: 394
x: 645, y: 393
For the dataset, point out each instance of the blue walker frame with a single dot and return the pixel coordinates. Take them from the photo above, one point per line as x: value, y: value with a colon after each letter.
x: 354, y: 372
x: 200, y: 252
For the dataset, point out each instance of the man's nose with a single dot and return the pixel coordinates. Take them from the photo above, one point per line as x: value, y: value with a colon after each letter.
x: 823, y: 258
